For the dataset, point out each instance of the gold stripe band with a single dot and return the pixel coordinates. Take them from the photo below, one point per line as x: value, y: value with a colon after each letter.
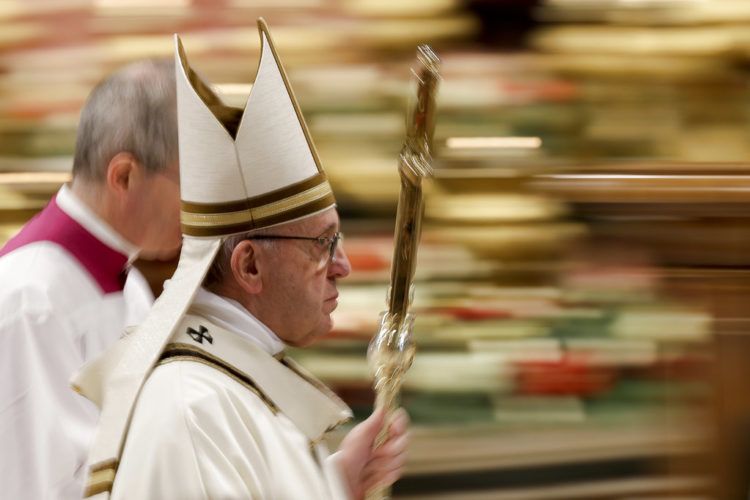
x: 254, y: 201
x: 300, y: 212
x: 262, y: 212
x: 101, y: 479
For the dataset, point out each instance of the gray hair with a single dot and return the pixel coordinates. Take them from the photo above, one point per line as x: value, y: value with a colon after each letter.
x: 222, y: 264
x: 134, y: 110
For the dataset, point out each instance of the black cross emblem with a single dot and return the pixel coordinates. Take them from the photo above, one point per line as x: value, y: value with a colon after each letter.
x: 201, y: 334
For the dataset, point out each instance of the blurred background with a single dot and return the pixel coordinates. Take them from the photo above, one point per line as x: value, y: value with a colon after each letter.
x: 583, y: 283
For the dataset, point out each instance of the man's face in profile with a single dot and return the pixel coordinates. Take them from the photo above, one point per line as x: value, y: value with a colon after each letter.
x: 299, y: 280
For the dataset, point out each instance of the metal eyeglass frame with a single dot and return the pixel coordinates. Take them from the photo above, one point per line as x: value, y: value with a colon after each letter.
x: 331, y: 241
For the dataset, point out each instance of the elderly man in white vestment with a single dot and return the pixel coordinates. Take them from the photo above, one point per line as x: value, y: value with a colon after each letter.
x: 65, y: 296
x: 216, y: 408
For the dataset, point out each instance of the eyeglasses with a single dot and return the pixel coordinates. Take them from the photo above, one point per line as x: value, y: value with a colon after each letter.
x: 331, y: 242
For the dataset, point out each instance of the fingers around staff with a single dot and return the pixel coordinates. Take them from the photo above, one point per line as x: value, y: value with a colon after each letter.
x: 393, y: 447
x: 380, y: 480
x: 399, y: 422
x: 386, y: 464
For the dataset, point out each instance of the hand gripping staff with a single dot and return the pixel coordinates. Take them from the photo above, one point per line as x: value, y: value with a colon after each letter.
x: 391, y: 351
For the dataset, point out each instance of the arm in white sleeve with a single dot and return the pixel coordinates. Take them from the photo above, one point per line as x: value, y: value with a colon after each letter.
x: 44, y: 426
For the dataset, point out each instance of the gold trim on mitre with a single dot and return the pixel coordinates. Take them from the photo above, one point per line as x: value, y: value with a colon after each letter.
x: 214, y: 219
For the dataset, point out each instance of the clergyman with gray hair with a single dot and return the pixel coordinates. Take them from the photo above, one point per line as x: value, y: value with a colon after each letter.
x: 68, y: 289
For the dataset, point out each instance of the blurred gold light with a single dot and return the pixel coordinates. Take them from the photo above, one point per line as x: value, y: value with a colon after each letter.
x: 34, y: 177
x: 493, y: 142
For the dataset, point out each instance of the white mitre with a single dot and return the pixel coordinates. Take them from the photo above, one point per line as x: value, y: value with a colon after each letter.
x: 269, y: 174
x: 266, y: 174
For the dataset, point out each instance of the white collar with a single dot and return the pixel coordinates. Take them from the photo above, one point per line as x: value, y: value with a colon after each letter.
x: 82, y: 214
x: 232, y: 316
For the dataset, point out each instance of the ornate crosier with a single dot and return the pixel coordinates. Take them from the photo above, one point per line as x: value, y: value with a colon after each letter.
x: 391, y: 351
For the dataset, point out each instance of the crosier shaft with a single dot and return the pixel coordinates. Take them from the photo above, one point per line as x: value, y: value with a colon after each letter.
x: 391, y: 351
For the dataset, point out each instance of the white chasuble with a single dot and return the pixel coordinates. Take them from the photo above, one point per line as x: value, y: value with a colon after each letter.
x: 221, y: 417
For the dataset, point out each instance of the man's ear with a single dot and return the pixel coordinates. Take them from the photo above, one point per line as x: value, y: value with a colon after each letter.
x: 121, y: 172
x: 245, y: 268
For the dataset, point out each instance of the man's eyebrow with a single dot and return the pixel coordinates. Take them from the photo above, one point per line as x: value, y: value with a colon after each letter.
x: 330, y: 227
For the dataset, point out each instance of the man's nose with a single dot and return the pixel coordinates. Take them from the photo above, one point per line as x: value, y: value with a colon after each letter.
x: 340, y: 267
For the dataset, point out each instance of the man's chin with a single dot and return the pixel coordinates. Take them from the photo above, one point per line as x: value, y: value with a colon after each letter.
x: 313, y: 338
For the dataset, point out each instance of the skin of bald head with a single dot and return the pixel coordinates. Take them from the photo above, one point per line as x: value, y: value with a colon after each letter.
x: 126, y: 166
x: 289, y: 285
